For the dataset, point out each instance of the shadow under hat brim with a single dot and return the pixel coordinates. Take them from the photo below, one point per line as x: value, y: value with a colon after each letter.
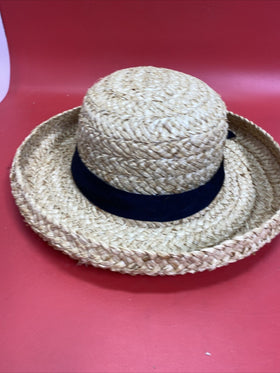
x: 242, y: 218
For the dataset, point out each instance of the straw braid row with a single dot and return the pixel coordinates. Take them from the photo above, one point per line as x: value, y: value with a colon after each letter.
x: 161, y: 168
x: 190, y: 145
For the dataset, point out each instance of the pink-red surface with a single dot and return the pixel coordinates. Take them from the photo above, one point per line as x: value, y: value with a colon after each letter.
x: 57, y: 316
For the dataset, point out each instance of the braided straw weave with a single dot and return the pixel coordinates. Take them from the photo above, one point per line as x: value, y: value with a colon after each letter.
x: 152, y: 131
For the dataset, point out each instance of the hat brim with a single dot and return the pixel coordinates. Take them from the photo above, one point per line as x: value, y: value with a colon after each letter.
x: 242, y: 218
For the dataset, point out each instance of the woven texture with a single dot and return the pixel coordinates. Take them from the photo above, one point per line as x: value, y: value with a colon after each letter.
x: 152, y: 130
x: 242, y: 218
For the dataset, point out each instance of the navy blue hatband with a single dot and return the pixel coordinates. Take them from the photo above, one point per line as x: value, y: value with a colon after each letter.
x: 161, y: 208
x: 144, y: 207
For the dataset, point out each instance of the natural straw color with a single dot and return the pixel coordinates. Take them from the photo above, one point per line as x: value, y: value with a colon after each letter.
x: 140, y: 129
x: 152, y: 131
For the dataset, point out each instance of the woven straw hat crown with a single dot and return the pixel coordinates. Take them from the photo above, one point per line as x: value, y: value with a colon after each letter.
x: 152, y: 130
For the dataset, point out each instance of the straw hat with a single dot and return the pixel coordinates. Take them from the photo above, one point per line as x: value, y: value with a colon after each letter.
x: 152, y: 175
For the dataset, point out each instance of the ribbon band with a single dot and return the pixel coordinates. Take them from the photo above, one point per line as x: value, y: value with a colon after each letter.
x: 160, y: 208
x: 134, y: 206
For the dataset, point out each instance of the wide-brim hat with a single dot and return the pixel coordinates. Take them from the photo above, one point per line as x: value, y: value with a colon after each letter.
x: 151, y: 175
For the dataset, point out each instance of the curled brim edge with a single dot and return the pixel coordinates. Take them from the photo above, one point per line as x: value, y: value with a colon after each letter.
x: 67, y: 237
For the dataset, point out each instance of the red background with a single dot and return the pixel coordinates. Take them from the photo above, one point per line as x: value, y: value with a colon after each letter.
x: 57, y: 316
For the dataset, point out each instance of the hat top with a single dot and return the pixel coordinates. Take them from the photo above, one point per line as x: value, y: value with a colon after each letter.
x: 152, y: 130
x: 153, y: 104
